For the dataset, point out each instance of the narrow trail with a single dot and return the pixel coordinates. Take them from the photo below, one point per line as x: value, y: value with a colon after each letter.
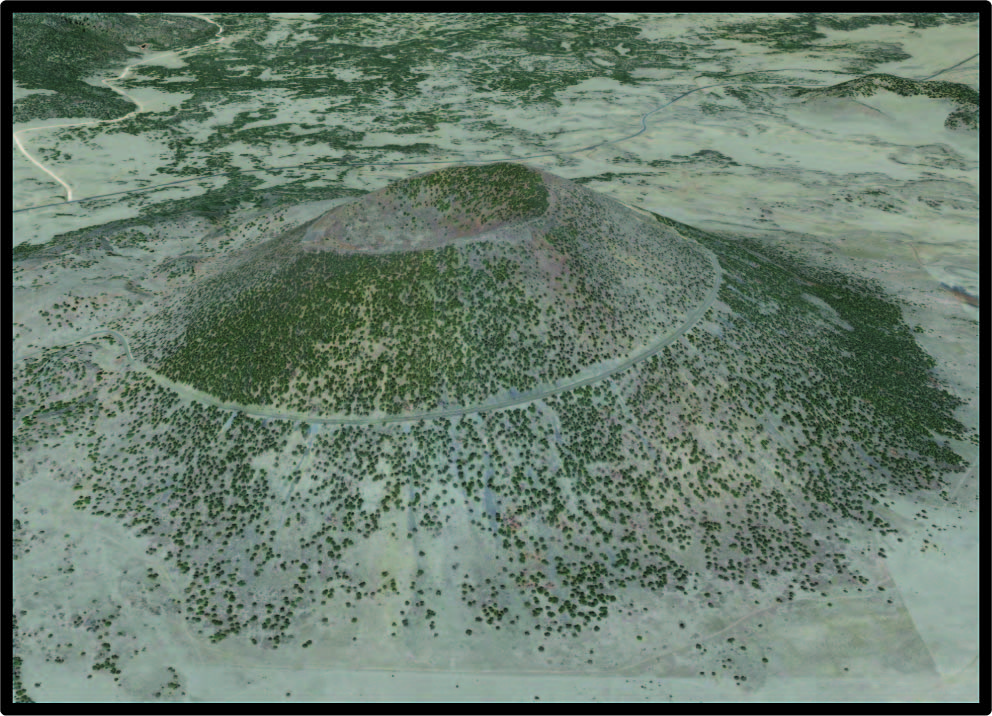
x: 138, y: 106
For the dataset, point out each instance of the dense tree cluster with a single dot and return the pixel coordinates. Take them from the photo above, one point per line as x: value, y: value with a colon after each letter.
x: 343, y: 332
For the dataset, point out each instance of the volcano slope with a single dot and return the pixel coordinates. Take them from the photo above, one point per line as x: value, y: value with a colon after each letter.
x: 463, y: 287
x: 718, y: 508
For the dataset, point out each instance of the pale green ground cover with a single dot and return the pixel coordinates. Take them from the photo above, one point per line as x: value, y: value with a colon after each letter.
x: 875, y: 186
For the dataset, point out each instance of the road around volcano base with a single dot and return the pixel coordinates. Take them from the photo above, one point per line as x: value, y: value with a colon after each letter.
x: 188, y: 393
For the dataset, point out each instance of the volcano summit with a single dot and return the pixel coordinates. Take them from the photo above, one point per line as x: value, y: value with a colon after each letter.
x: 471, y: 286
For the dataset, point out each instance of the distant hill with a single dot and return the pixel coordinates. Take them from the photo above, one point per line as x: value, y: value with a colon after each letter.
x: 56, y: 50
x: 450, y: 288
x: 966, y: 114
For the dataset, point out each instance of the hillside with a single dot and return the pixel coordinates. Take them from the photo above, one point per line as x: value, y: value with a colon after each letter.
x: 58, y: 51
x: 453, y: 288
x: 964, y: 97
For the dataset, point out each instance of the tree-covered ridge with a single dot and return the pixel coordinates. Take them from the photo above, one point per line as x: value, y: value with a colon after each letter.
x: 863, y: 357
x: 800, y: 31
x: 429, y: 210
x: 964, y: 96
x: 57, y: 51
x: 496, y: 192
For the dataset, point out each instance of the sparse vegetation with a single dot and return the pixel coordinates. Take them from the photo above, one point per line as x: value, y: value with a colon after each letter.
x: 747, y: 467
